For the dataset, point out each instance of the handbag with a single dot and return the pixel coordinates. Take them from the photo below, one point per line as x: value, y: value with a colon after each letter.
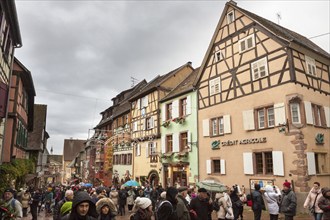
x: 312, y: 208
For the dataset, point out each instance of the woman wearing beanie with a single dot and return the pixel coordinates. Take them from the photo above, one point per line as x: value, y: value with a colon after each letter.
x: 142, y: 209
x: 106, y: 209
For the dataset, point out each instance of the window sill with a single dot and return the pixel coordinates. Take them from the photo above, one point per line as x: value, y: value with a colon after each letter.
x: 322, y: 174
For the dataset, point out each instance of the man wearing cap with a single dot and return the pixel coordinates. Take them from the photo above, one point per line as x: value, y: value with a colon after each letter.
x: 183, y: 206
x: 202, y: 205
x: 289, y: 201
x: 8, y: 196
x: 82, y: 207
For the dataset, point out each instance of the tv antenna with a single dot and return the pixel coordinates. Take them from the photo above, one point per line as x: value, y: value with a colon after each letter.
x: 134, y: 81
x: 279, y: 17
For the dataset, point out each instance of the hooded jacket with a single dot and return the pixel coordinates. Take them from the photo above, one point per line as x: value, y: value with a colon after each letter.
x: 314, y: 196
x: 106, y: 201
x: 272, y: 199
x: 324, y: 203
x: 79, y: 197
x: 167, y: 208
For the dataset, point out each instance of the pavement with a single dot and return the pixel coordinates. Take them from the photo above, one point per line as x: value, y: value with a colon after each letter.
x: 247, y: 215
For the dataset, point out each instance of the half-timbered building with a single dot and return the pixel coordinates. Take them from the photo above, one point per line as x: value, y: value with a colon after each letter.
x: 114, y: 151
x: 145, y: 124
x: 263, y: 102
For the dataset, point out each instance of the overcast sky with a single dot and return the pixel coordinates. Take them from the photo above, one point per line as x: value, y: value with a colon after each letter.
x: 83, y: 53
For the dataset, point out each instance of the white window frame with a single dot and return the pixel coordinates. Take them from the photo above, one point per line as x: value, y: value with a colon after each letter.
x: 230, y: 17
x: 149, y: 123
x: 214, y: 84
x: 245, y: 40
x: 219, y: 55
x: 268, y: 117
x: 221, y: 125
x: 298, y: 112
x: 310, y: 66
x: 260, y: 117
x: 152, y: 147
x: 257, y: 65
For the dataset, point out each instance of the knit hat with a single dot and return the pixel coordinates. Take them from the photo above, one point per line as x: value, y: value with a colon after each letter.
x: 142, y: 203
x: 10, y: 190
x: 202, y: 190
x: 287, y: 184
x: 66, y: 207
x: 182, y: 188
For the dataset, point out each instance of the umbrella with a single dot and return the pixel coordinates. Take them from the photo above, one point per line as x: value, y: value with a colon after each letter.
x: 88, y: 185
x: 212, y: 186
x: 131, y: 183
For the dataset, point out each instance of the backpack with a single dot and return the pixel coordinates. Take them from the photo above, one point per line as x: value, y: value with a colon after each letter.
x: 215, y: 205
x: 158, y: 207
x: 249, y: 199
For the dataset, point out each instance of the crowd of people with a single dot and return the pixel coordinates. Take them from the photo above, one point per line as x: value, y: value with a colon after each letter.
x: 156, y: 203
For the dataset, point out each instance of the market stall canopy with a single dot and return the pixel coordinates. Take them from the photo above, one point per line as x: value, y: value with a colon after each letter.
x: 212, y: 186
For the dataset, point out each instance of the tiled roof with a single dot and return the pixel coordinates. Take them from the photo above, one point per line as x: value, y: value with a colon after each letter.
x: 184, y: 87
x: 283, y: 32
x: 39, y: 123
x: 124, y: 105
x: 71, y: 148
x: 157, y: 81
x: 57, y: 158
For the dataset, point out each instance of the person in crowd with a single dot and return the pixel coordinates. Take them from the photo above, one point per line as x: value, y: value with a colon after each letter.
x: 312, y: 201
x: 324, y: 203
x: 154, y: 196
x: 242, y: 197
x: 25, y: 200
x: 19, y: 195
x: 167, y: 209
x: 57, y: 195
x: 82, y: 207
x: 106, y: 209
x: 36, y: 198
x: 258, y: 202
x: 114, y: 196
x: 130, y: 199
x: 188, y: 197
x: 201, y: 205
x: 48, y: 201
x: 65, y: 209
x: 68, y: 196
x: 237, y: 204
x: 147, y: 191
x: 289, y: 201
x: 142, y: 209
x: 224, y: 205
x: 183, y: 205
x: 9, y: 199
x: 272, y: 196
x: 140, y: 192
x: 122, y: 200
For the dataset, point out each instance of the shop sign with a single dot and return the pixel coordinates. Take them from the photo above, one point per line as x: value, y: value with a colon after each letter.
x: 216, y: 144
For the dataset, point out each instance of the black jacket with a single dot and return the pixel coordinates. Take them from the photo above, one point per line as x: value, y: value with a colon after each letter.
x: 201, y: 207
x: 79, y: 197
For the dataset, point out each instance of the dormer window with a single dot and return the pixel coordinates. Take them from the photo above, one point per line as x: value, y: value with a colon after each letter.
x: 310, y: 66
x: 230, y: 17
x: 246, y: 43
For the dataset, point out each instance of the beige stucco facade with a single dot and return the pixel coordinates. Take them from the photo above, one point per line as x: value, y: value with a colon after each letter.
x: 263, y: 105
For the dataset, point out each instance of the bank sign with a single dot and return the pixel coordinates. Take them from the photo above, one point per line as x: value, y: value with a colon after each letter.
x: 218, y: 143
